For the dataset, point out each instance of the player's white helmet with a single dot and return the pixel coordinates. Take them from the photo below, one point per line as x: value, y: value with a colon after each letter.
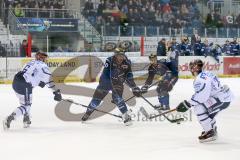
x: 41, y: 56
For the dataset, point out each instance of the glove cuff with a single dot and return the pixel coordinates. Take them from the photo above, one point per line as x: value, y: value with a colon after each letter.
x: 186, y: 104
x: 57, y: 91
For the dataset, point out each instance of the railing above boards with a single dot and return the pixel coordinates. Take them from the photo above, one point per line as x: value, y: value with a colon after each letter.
x: 46, y: 13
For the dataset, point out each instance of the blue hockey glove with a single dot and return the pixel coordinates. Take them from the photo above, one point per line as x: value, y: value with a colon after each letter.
x: 57, y: 95
x: 183, y: 106
x: 41, y: 84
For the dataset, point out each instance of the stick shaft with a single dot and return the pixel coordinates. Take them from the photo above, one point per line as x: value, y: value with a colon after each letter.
x: 70, y: 101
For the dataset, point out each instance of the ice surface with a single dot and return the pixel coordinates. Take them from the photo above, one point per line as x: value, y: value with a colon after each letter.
x: 107, y: 138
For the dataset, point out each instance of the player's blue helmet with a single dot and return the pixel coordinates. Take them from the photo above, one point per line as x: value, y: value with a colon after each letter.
x: 153, y: 55
x: 119, y: 51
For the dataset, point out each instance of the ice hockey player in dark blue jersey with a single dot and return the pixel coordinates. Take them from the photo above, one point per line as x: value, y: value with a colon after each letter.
x: 235, y: 47
x: 185, y: 47
x: 117, y: 71
x: 198, y: 48
x: 168, y: 69
x: 227, y: 48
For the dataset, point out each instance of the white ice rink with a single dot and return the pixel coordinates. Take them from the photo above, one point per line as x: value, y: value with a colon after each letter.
x: 50, y: 138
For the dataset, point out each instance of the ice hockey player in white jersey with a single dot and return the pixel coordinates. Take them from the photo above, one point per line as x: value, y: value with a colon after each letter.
x: 210, y: 97
x: 35, y: 73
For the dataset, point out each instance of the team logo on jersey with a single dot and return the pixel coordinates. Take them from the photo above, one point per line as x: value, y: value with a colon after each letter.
x: 124, y: 66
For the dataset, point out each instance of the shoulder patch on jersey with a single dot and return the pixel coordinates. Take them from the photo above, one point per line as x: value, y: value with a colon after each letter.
x: 45, y: 72
x: 198, y: 87
x: 106, y: 65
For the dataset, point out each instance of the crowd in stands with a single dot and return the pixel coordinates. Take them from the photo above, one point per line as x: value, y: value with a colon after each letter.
x: 197, y: 47
x: 162, y: 13
x: 215, y: 19
x: 37, y: 8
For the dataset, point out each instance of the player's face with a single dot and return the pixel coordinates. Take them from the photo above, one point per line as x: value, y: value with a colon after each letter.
x: 153, y: 61
x: 42, y: 58
x: 45, y: 59
x: 119, y: 58
x: 193, y: 69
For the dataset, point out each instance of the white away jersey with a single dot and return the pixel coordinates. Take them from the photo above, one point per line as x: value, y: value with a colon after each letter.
x: 36, y: 71
x: 207, y: 86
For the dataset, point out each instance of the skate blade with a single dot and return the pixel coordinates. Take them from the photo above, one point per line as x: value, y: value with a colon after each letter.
x: 4, y: 125
x: 208, y: 139
x: 128, y: 123
x: 26, y: 125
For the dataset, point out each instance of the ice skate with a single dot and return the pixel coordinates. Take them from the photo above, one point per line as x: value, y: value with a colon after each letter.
x: 127, y: 120
x: 26, y: 121
x: 208, y: 136
x: 7, y: 121
x: 87, y: 115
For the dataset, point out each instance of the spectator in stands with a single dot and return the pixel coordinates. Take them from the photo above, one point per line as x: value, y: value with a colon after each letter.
x: 31, y: 3
x: 166, y: 8
x: 210, y: 19
x: 237, y: 21
x: 143, y: 16
x: 46, y: 3
x: 18, y: 10
x: 131, y: 17
x: 167, y: 17
x: 125, y: 9
x: 99, y: 22
x: 2, y: 50
x: 52, y: 12
x: 59, y: 49
x: 88, y: 6
x: 161, y: 48
x: 227, y: 48
x: 67, y: 48
x: 100, y: 8
x: 24, y: 48
x: 217, y: 20
x: 158, y: 18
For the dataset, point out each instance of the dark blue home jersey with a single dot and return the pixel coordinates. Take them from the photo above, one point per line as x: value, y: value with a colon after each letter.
x: 117, y: 74
x: 161, y: 68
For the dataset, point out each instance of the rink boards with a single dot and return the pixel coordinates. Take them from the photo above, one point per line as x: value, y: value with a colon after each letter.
x: 89, y: 68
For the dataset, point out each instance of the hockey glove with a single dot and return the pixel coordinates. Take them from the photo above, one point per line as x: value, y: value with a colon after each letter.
x: 41, y: 84
x: 183, y: 106
x: 136, y: 91
x: 57, y: 95
x: 144, y: 89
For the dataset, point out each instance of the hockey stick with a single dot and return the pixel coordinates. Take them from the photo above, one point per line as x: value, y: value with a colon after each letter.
x: 148, y: 88
x: 143, y: 111
x: 71, y: 101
